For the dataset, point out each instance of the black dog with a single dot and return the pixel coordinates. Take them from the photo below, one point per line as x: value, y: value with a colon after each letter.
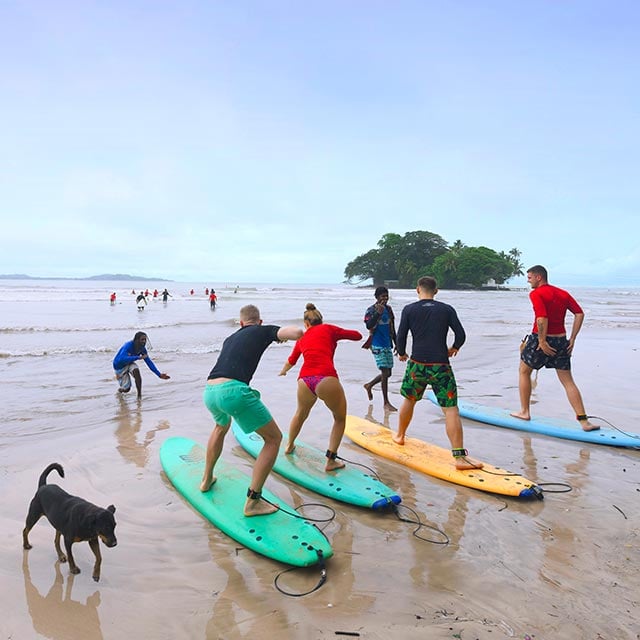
x: 73, y: 518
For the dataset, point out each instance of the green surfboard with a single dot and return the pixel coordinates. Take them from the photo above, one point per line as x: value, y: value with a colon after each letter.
x: 305, y: 467
x: 279, y: 536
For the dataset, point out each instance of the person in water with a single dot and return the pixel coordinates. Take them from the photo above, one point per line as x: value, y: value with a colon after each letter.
x: 228, y: 396
x: 318, y: 378
x: 548, y: 345
x: 380, y: 322
x: 125, y: 363
x: 429, y: 320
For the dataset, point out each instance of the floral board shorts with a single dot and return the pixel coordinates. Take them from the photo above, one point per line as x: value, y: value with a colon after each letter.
x: 537, y: 358
x: 418, y: 376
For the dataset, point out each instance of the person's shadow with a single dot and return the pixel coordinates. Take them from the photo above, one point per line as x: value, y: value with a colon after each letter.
x: 129, y: 420
x: 56, y: 615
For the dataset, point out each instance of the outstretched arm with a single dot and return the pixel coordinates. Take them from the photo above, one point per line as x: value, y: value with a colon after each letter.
x: 289, y: 333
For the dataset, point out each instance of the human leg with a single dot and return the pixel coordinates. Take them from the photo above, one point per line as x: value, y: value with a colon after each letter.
x: 453, y: 426
x: 404, y: 419
x: 575, y: 399
x: 524, y: 389
x: 135, y: 372
x: 384, y: 384
x: 272, y: 437
x: 369, y: 386
x: 214, y: 449
x: 330, y: 391
x: 306, y: 400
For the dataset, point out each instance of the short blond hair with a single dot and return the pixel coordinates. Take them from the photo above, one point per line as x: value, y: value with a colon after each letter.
x: 250, y: 313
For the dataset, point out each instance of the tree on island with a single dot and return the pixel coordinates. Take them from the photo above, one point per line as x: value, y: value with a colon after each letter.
x: 401, y: 260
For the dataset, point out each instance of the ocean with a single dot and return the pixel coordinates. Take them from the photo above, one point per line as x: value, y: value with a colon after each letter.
x: 174, y: 576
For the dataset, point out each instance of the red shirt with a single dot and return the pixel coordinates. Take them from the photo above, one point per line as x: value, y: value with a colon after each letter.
x: 317, y: 346
x: 552, y: 303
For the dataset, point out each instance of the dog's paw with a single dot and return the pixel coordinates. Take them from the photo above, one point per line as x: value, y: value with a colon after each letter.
x: 74, y: 570
x: 62, y: 558
x: 96, y: 577
x: 27, y: 546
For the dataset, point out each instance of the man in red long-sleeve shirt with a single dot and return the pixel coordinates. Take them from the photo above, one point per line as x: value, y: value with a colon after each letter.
x: 548, y: 345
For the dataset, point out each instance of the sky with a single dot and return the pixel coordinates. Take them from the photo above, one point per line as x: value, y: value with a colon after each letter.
x: 276, y: 141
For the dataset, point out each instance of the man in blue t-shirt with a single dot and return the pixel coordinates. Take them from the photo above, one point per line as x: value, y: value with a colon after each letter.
x: 125, y: 365
x: 379, y: 320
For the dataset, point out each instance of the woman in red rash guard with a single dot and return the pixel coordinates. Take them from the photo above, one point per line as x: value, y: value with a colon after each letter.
x: 318, y: 378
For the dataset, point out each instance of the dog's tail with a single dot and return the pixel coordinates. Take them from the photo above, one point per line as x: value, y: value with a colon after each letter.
x: 48, y: 470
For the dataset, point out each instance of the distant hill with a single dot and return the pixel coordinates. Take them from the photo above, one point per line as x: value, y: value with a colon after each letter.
x: 104, y: 276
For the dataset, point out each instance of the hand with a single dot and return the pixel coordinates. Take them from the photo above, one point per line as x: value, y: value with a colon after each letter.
x: 546, y: 348
x: 164, y: 376
x: 403, y: 358
x: 452, y: 351
x: 282, y: 373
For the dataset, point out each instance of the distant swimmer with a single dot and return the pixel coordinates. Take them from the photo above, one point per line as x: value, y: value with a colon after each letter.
x: 165, y: 295
x: 141, y: 301
x: 124, y: 364
x: 213, y: 299
x: 112, y: 298
x: 548, y: 345
x: 318, y: 378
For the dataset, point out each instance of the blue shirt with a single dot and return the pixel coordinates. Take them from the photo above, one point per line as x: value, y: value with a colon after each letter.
x: 128, y: 354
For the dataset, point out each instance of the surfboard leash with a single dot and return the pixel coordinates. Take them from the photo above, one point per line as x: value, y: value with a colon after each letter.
x: 421, y: 525
x: 304, y: 504
x: 323, y: 577
x: 635, y: 436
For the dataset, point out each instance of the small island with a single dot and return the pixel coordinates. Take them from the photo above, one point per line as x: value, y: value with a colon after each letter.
x: 399, y: 261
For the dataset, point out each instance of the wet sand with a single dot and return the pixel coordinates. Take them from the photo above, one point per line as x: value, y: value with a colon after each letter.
x: 562, y: 568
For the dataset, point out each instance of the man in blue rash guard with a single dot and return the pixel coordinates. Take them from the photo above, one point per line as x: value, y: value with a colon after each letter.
x: 125, y: 365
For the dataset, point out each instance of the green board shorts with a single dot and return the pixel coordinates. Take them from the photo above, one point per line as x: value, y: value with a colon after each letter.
x: 237, y: 400
x: 418, y: 376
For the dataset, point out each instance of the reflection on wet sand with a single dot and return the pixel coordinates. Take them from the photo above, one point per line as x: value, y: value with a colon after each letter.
x: 56, y: 615
x: 129, y: 421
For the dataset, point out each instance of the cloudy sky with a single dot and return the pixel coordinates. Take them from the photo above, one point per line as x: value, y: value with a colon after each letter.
x: 275, y: 141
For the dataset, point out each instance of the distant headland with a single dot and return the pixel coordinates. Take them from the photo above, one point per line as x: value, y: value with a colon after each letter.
x: 104, y: 276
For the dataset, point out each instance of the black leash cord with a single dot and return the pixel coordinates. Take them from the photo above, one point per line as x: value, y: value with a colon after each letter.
x: 565, y: 487
x: 321, y: 581
x: 420, y: 524
x: 306, y: 504
x: 364, y: 466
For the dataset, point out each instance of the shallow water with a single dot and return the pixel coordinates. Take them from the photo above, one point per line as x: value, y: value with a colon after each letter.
x: 561, y: 568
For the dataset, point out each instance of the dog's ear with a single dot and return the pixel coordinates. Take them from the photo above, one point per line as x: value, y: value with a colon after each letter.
x: 111, y: 508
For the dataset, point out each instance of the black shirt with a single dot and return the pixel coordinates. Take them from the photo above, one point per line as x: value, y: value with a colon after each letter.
x: 242, y: 350
x: 429, y: 322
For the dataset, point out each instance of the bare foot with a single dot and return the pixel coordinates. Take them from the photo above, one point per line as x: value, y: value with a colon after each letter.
x: 523, y: 415
x: 206, y: 484
x: 464, y: 462
x: 389, y: 407
x: 257, y: 507
x: 332, y: 465
x: 290, y: 448
x: 367, y: 388
x: 398, y: 439
x: 588, y: 426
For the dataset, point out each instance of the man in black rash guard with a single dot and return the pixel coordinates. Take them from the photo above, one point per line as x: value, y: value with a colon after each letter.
x: 429, y: 321
x: 228, y: 395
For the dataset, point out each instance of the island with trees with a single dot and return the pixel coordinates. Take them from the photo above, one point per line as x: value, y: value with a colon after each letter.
x: 400, y: 260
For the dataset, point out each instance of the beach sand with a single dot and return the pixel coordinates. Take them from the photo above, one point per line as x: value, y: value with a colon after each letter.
x: 562, y: 568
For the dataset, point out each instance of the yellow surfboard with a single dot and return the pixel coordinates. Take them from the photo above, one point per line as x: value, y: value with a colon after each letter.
x: 436, y: 461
